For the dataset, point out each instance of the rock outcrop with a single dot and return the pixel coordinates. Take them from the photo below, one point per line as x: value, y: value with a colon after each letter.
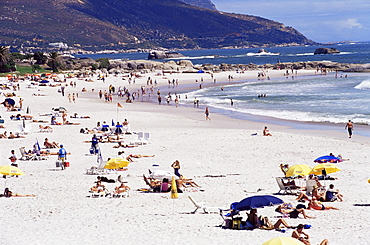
x: 326, y: 51
x: 160, y: 55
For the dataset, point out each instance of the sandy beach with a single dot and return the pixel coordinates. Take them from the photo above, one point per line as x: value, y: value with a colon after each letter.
x: 221, y: 156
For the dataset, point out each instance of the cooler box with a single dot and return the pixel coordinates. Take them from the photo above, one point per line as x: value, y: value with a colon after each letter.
x: 66, y: 164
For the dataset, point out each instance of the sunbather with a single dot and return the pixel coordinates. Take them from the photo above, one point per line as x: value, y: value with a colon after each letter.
x: 120, y: 144
x: 187, y: 182
x: 122, y: 188
x: 47, y: 144
x: 139, y: 155
x: 314, y: 204
x: 253, y: 221
x: 98, y: 187
x: 14, y: 136
x: 44, y: 127
x: 320, y: 195
x: 9, y: 193
x: 293, y: 213
x: 333, y: 194
x: 303, y: 237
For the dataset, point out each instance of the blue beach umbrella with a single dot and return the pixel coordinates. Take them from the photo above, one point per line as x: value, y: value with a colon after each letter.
x: 325, y: 159
x: 257, y: 202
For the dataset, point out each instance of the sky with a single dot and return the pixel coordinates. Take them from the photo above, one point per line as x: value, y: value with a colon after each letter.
x: 321, y: 21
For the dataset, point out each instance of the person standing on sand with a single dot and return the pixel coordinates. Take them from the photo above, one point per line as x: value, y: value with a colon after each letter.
x: 176, y: 167
x: 349, y: 127
x: 207, y: 114
x: 13, y: 159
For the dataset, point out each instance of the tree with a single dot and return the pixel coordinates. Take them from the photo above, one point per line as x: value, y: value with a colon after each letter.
x: 6, y: 62
x: 40, y: 57
x: 103, y: 63
x: 54, y: 62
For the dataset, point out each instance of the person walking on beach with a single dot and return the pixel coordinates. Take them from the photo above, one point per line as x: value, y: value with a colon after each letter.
x: 62, y: 156
x: 207, y: 114
x: 349, y: 127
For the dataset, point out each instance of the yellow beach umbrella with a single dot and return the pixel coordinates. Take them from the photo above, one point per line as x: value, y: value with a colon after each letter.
x: 283, y: 241
x: 10, y: 170
x: 298, y: 169
x: 174, y: 194
x: 116, y: 163
x: 329, y: 168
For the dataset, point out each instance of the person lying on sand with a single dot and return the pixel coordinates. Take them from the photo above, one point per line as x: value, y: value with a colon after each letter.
x: 70, y: 123
x: 187, y: 182
x: 139, y: 155
x: 4, y: 135
x: 39, y: 121
x: 9, y: 193
x: 122, y: 188
x: 253, y: 221
x: 14, y: 136
x: 98, y: 187
x: 44, y: 127
x: 75, y: 116
x: 120, y: 144
x: 314, y: 204
x: 293, y: 213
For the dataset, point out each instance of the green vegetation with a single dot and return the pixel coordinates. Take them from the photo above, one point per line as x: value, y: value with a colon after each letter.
x: 6, y: 61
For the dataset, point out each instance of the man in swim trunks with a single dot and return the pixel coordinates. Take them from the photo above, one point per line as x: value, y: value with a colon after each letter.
x: 349, y: 127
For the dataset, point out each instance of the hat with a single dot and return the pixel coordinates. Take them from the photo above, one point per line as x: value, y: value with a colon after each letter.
x: 61, y: 145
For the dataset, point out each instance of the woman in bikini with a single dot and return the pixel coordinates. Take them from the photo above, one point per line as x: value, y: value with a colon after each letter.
x: 314, y: 204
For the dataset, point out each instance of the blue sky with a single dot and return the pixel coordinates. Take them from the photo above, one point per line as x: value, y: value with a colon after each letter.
x: 320, y: 21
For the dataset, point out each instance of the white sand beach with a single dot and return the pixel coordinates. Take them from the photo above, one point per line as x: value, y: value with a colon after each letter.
x: 221, y: 156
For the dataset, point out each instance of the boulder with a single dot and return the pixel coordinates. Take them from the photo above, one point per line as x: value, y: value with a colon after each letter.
x: 185, y: 63
x: 326, y: 51
x: 160, y: 55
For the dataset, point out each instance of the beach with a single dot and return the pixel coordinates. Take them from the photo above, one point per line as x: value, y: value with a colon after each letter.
x: 221, y: 156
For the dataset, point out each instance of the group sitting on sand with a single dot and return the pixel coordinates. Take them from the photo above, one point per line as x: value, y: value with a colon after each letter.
x: 329, y: 195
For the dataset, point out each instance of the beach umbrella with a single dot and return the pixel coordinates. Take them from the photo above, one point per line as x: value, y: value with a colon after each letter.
x: 174, y: 194
x: 257, y: 202
x: 325, y: 159
x: 283, y: 241
x: 10, y: 101
x: 113, y: 123
x: 327, y: 167
x: 116, y: 163
x: 298, y: 169
x: 161, y: 174
x: 10, y: 170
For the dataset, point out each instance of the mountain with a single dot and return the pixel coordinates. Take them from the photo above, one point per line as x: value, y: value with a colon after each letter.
x: 207, y: 4
x: 102, y: 24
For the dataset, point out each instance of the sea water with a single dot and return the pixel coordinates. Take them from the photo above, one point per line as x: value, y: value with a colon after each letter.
x: 308, y: 99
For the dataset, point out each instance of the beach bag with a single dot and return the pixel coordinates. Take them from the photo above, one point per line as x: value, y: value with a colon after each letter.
x: 58, y: 164
x: 66, y: 164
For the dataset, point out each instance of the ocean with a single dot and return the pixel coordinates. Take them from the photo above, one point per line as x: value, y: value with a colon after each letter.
x: 318, y: 98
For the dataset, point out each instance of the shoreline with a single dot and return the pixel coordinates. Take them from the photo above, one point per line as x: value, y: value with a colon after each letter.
x: 315, y: 128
